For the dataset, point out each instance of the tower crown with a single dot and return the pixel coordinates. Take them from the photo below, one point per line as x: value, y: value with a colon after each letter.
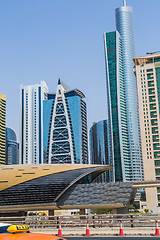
x: 60, y: 82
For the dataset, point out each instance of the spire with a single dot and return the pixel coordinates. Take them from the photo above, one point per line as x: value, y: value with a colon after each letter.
x: 124, y: 3
x: 60, y: 82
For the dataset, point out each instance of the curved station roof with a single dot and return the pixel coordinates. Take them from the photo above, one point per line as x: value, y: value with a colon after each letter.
x: 56, y: 186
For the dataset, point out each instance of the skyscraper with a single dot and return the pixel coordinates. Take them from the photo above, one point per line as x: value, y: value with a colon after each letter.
x: 100, y: 148
x: 124, y: 25
x: 147, y: 71
x: 116, y: 105
x: 12, y: 147
x: 31, y: 123
x: 65, y: 126
x: 2, y: 127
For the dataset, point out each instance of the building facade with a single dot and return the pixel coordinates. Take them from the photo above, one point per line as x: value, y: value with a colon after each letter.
x: 2, y: 127
x: 100, y: 148
x: 12, y: 147
x: 116, y: 106
x: 31, y: 123
x: 124, y: 25
x: 65, y: 126
x: 147, y: 71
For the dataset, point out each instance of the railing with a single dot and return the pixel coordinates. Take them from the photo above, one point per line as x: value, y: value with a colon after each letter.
x: 95, y: 221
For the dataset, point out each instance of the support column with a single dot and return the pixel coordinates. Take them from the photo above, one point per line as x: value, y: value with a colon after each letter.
x: 82, y: 211
x: 114, y: 210
x: 151, y: 197
x: 50, y: 212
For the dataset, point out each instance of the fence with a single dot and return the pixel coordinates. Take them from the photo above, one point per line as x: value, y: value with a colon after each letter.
x: 79, y: 221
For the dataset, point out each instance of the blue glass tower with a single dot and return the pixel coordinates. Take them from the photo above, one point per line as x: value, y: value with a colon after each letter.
x: 116, y: 105
x: 124, y: 25
x: 65, y: 126
x: 100, y: 148
x: 12, y: 147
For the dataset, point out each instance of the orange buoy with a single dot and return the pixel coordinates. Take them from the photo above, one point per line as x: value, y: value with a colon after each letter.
x: 59, y: 230
x: 87, y: 229
x: 121, y: 230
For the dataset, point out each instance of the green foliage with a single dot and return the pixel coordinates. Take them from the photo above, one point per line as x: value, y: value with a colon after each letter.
x: 136, y: 204
x: 146, y: 210
x: 131, y: 208
x: 30, y: 213
x: 102, y: 210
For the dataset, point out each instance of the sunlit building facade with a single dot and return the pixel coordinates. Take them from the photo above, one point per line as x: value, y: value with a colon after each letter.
x: 147, y: 71
x: 31, y: 123
x: 65, y: 126
x: 100, y: 148
x: 124, y: 25
x: 2, y: 127
x: 12, y: 147
x: 116, y: 106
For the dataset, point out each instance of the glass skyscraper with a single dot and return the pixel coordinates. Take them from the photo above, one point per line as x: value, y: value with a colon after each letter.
x: 2, y: 127
x: 31, y: 123
x: 100, y: 148
x: 65, y: 126
x: 124, y: 25
x: 116, y: 105
x: 12, y: 147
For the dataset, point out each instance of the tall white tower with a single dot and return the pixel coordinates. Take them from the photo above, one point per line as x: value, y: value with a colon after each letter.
x: 31, y: 123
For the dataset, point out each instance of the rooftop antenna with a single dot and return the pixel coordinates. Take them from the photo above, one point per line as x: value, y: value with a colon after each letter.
x: 124, y: 3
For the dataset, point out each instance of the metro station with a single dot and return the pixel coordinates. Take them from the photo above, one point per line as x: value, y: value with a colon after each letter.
x: 61, y: 186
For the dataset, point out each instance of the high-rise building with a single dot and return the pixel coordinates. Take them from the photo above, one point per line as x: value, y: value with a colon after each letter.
x: 124, y: 25
x: 147, y: 71
x: 116, y: 106
x: 100, y: 148
x: 65, y: 126
x: 12, y: 147
x: 31, y: 123
x: 2, y: 127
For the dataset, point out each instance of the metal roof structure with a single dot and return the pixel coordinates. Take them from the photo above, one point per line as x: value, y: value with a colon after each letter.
x: 59, y: 186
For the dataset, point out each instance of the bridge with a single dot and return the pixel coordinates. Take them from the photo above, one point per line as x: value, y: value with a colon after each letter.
x: 146, y: 184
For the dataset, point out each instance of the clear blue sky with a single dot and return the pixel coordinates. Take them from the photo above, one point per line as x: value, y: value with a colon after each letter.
x: 48, y: 39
